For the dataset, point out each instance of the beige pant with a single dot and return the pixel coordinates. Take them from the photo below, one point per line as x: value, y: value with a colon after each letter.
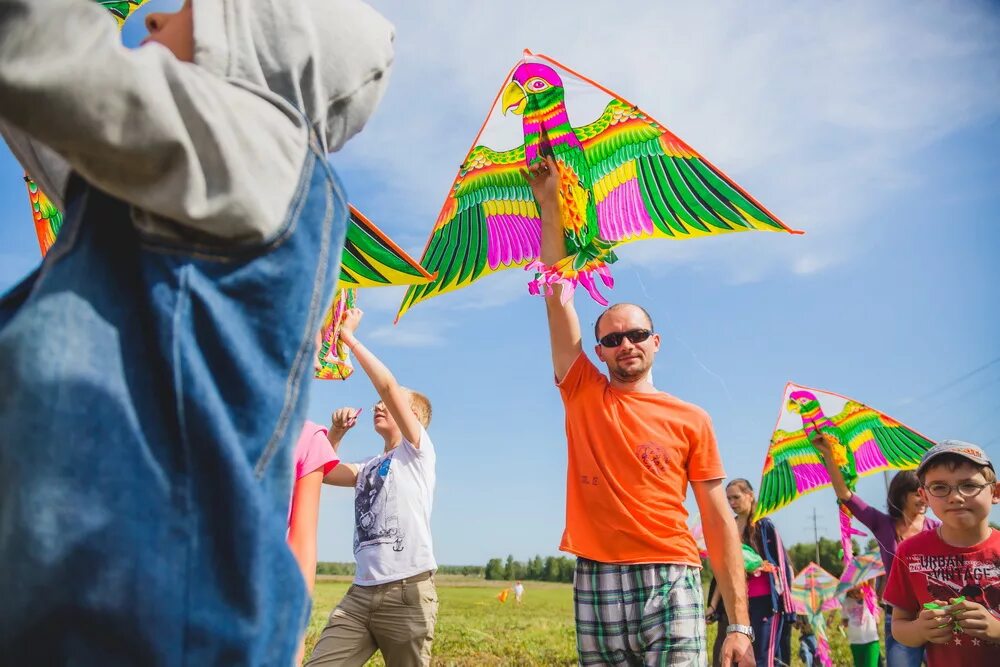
x: 396, y: 618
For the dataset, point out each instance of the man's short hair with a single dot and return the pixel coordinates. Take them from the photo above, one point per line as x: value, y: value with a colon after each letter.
x: 619, y: 306
x: 421, y: 406
x: 952, y: 461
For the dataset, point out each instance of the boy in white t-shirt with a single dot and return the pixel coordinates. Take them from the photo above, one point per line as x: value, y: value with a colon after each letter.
x: 392, y: 606
x: 862, y: 629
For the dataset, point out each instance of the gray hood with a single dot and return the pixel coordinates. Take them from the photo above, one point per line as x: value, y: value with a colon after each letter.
x: 217, y: 146
x: 327, y: 79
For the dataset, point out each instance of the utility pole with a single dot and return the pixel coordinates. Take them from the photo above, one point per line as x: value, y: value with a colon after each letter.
x: 885, y: 475
x: 816, y: 535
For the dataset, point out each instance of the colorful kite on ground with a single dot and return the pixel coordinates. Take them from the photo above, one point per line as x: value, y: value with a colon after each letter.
x: 866, y: 442
x: 815, y: 592
x: 370, y: 259
x: 623, y: 177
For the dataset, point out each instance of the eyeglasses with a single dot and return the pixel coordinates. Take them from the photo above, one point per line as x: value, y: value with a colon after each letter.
x: 965, y: 489
x: 634, y: 336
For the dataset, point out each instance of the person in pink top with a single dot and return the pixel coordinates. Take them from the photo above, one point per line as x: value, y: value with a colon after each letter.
x: 314, y: 457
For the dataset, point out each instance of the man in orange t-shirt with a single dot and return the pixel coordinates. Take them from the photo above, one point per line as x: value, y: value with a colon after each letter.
x: 632, y: 451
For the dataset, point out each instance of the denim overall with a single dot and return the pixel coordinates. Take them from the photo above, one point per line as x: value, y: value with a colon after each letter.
x: 150, y: 396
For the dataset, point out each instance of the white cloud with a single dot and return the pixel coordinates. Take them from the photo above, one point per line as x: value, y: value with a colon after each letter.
x: 817, y: 110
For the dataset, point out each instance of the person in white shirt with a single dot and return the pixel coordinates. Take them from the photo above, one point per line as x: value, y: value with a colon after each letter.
x: 862, y: 629
x: 518, y: 591
x: 392, y: 605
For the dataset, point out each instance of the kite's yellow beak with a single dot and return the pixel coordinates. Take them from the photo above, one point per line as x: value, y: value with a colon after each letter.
x: 514, y: 98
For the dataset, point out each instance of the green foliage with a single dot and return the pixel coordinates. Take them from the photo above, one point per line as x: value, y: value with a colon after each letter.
x: 510, y: 570
x: 494, y: 569
x: 342, y: 569
x: 464, y: 570
x: 829, y: 555
x: 474, y: 629
x: 551, y: 568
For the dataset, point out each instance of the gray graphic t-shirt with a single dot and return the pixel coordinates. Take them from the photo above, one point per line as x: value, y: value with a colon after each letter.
x: 393, y: 498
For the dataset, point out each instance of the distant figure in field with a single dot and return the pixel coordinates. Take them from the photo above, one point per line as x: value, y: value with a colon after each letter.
x: 518, y: 592
x: 632, y: 452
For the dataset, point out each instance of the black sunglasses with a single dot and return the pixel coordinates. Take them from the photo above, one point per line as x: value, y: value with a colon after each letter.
x: 634, y: 336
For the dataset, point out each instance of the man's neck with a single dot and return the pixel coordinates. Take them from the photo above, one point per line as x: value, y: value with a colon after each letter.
x: 965, y: 537
x: 643, y: 385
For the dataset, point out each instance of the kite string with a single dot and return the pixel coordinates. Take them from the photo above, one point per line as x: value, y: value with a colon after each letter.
x: 689, y: 349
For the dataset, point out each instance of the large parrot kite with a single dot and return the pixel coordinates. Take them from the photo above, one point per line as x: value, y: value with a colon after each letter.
x: 865, y: 441
x: 622, y: 177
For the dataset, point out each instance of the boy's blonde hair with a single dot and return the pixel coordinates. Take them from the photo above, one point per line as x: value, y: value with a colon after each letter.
x: 421, y: 406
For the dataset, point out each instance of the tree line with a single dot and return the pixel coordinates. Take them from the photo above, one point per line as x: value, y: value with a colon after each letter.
x: 347, y: 569
x: 561, y: 568
x: 550, y: 568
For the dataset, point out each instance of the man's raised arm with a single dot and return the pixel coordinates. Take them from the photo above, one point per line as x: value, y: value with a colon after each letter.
x: 564, y: 324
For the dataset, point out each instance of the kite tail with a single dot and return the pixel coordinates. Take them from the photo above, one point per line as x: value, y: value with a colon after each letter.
x: 871, y: 599
x: 567, y: 274
x: 332, y: 359
x: 823, y: 650
x: 846, y: 532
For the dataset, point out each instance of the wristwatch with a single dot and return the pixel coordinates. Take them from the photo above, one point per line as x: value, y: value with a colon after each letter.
x: 742, y: 629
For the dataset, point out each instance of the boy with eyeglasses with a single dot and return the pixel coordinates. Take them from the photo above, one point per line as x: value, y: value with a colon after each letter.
x: 392, y: 606
x: 632, y: 451
x: 945, y: 586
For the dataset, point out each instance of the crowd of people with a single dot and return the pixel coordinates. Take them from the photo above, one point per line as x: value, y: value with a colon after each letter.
x: 159, y: 503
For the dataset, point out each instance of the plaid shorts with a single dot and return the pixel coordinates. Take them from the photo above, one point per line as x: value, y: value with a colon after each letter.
x: 639, y: 615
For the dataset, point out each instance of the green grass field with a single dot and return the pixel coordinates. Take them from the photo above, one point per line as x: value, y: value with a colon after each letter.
x: 473, y: 628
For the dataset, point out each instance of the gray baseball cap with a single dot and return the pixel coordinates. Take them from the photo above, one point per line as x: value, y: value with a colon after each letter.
x: 966, y: 450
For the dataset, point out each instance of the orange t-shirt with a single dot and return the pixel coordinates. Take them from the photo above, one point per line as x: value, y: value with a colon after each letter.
x: 631, y: 456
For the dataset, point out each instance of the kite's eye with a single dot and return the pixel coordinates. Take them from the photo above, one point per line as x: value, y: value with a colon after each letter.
x: 536, y: 84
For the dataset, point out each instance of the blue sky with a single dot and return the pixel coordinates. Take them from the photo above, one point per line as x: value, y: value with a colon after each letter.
x: 874, y: 127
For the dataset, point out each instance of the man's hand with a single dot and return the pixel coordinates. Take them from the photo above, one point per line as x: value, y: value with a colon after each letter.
x: 349, y: 323
x: 341, y: 421
x: 737, y: 651
x: 543, y: 177
x: 975, y: 620
x: 934, y: 625
x: 823, y: 444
